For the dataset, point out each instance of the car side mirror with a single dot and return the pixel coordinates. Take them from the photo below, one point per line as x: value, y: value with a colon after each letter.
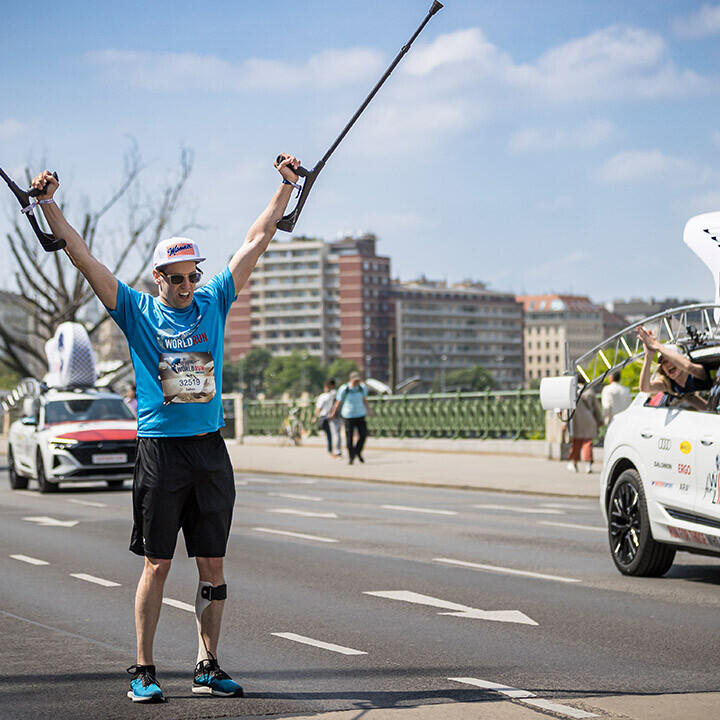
x: 558, y: 393
x: 29, y: 420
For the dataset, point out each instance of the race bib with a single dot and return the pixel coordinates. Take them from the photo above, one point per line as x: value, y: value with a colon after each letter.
x: 187, y: 377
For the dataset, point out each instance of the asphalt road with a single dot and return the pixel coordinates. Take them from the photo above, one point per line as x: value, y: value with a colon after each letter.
x: 366, y: 569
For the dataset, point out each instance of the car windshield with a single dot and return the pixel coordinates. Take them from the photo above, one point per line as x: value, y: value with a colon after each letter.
x: 82, y: 409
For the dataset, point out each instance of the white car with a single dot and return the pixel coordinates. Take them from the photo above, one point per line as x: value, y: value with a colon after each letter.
x: 661, y: 464
x: 72, y: 436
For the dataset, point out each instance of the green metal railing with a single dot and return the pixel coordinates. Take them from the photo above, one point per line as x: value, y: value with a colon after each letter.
x: 514, y: 414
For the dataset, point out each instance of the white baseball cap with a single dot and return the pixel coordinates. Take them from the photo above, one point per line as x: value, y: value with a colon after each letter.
x: 176, y: 249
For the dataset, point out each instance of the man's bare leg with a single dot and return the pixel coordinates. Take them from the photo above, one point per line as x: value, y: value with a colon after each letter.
x: 210, y: 571
x: 148, y: 601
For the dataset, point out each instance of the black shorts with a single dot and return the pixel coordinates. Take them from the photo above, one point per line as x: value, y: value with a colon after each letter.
x: 182, y: 482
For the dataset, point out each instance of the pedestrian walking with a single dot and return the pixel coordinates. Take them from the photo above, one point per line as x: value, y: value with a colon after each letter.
x: 614, y: 398
x: 323, y: 416
x: 584, y: 426
x: 183, y: 477
x: 130, y: 399
x: 353, y: 407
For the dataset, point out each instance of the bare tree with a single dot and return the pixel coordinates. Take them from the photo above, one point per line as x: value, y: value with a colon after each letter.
x: 53, y: 291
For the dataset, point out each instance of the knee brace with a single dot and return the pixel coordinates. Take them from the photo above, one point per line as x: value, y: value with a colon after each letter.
x: 206, y: 593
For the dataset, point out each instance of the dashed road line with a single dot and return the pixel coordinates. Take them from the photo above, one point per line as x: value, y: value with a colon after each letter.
x: 304, y: 513
x: 572, y: 526
x: 408, y: 508
x: 29, y: 560
x: 96, y: 580
x: 505, y: 570
x: 320, y: 644
x: 517, y: 509
x: 179, y: 604
x: 566, y: 506
x: 302, y: 536
x: 89, y: 503
x: 525, y: 696
x: 292, y: 496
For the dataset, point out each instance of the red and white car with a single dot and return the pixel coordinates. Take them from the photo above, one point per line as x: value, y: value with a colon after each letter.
x: 72, y: 436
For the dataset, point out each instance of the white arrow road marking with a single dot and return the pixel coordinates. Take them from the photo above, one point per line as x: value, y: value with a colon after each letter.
x: 506, y: 571
x: 302, y: 536
x: 179, y: 604
x: 525, y: 697
x: 29, y: 560
x: 572, y: 526
x: 304, y: 513
x: 518, y: 509
x: 513, y: 616
x: 318, y: 643
x: 51, y: 522
x: 406, y: 508
x: 89, y: 503
x: 291, y: 496
x: 96, y: 580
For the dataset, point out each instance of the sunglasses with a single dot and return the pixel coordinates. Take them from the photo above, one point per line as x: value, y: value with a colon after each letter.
x: 176, y: 279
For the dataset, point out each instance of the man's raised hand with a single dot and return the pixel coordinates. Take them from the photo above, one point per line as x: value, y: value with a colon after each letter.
x: 287, y: 166
x: 47, y: 183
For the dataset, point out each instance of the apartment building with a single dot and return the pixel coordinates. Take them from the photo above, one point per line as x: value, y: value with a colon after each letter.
x: 329, y: 299
x: 550, y: 322
x: 443, y: 327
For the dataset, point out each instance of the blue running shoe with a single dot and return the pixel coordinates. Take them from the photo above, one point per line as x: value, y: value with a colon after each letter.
x: 211, y: 680
x: 144, y: 686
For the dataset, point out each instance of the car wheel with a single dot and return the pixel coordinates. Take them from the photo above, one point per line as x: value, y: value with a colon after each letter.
x: 45, y: 485
x: 17, y: 482
x: 632, y: 546
x: 115, y: 483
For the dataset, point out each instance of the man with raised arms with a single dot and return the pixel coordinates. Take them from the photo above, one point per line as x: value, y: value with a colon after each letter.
x: 183, y: 477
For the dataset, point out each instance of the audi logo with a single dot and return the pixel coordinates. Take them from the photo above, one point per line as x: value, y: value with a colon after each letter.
x: 664, y: 443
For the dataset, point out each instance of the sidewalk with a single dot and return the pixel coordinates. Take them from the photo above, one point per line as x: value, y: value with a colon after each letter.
x: 478, y: 471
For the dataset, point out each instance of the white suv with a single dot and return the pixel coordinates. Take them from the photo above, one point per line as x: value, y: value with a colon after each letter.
x: 72, y: 436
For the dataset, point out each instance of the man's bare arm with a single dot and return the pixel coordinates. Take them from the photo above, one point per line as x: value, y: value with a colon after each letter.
x: 263, y: 229
x: 102, y: 281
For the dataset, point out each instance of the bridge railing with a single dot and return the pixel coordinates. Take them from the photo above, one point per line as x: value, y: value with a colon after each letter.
x: 508, y: 414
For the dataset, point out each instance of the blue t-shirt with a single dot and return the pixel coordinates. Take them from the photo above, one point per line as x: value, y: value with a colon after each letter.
x: 351, y: 400
x: 177, y: 356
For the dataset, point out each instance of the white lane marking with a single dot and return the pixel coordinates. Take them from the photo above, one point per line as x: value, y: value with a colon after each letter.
x: 407, y: 508
x: 303, y: 513
x: 241, y: 482
x: 318, y: 643
x: 572, y: 525
x: 524, y: 696
x: 287, y: 481
x: 96, y: 580
x: 303, y: 536
x: 495, y: 687
x: 89, y: 503
x: 179, y: 604
x: 514, y: 616
x: 512, y: 508
x: 29, y: 560
x: 291, y: 496
x: 29, y: 493
x: 508, y: 571
x: 558, y: 708
x: 51, y: 522
x: 566, y: 506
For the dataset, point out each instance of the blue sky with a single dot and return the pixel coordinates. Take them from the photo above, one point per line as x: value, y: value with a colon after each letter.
x: 554, y: 146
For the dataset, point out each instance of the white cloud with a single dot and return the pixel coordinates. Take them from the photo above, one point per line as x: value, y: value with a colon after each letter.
x: 10, y: 129
x: 188, y: 71
x: 702, y: 23
x: 637, y: 165
x: 541, y: 139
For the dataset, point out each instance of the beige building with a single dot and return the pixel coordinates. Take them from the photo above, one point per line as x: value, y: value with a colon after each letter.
x: 551, y: 321
x: 443, y: 327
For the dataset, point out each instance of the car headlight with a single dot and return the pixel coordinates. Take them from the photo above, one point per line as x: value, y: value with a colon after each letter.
x: 60, y: 443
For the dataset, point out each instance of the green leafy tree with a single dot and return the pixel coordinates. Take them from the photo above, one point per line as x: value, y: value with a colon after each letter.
x: 468, y: 379
x: 340, y: 369
x: 629, y: 375
x: 248, y: 373
x: 9, y: 378
x: 294, y: 374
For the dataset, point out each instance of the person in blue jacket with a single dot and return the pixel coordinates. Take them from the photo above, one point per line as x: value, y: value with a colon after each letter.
x: 353, y: 406
x: 183, y: 477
